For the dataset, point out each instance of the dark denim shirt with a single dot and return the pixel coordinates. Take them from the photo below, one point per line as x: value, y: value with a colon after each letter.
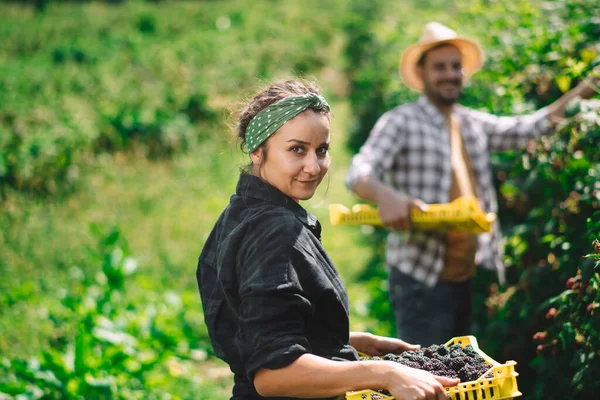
x: 269, y: 291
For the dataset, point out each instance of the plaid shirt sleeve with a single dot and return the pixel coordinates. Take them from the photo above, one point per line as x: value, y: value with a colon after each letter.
x: 378, y: 153
x: 514, y: 132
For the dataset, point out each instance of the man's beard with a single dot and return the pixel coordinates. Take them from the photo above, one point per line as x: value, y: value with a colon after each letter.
x: 437, y: 96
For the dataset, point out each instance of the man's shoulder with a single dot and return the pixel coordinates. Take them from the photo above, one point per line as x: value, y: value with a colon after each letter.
x: 471, y: 112
x: 406, y: 111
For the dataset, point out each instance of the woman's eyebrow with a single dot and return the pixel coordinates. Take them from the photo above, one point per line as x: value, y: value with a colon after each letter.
x: 298, y: 141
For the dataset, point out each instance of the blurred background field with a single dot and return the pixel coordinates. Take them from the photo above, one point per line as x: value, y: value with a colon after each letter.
x: 116, y: 158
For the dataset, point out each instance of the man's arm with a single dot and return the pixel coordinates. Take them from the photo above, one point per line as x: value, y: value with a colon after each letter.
x: 373, y: 161
x: 586, y: 89
x: 514, y: 132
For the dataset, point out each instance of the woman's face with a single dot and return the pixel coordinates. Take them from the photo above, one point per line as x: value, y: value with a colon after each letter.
x: 297, y: 156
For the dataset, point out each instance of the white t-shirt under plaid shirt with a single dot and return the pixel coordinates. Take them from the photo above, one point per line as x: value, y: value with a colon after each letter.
x: 409, y: 148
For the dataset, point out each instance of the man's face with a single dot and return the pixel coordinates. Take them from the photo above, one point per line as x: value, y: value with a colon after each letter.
x: 442, y: 75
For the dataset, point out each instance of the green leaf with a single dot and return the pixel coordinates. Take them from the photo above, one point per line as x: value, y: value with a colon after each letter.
x: 82, y: 348
x: 578, y: 377
x: 53, y: 361
x: 567, y: 335
x: 547, y: 238
x: 587, y: 268
x: 563, y: 82
x: 12, y: 388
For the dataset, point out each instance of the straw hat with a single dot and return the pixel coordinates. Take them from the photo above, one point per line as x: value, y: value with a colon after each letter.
x: 433, y: 35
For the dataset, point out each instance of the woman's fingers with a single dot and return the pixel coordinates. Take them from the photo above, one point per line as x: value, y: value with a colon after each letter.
x: 447, y: 382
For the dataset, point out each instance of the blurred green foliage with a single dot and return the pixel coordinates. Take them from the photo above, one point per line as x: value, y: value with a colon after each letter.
x: 79, y: 79
x: 84, y: 85
x: 554, y: 194
x: 120, y: 349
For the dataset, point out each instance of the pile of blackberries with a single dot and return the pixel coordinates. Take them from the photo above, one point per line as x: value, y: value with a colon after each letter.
x: 452, y: 361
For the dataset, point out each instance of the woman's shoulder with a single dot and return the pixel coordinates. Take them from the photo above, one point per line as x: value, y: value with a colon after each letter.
x: 273, y: 218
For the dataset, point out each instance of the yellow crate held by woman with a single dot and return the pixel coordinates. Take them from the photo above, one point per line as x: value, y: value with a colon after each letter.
x: 499, y: 382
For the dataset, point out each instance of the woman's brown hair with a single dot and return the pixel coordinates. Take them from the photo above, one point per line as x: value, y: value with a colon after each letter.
x: 273, y: 93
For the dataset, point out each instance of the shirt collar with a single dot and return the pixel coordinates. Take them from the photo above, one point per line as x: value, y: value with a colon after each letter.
x: 432, y: 112
x: 253, y: 186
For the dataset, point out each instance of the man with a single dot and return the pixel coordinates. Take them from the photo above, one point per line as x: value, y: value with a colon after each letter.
x: 433, y: 151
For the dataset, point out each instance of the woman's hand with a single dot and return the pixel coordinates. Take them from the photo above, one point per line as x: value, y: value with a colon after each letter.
x: 412, y: 384
x: 374, y: 345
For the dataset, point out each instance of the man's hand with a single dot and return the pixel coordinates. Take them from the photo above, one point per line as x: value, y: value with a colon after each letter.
x: 394, y: 210
x: 586, y: 89
x: 374, y: 345
x: 589, y: 86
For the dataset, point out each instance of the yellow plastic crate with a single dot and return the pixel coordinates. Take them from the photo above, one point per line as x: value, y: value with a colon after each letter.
x: 502, y: 385
x: 463, y: 214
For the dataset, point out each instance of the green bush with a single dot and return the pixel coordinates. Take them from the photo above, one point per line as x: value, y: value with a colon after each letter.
x: 119, y: 349
x: 554, y: 193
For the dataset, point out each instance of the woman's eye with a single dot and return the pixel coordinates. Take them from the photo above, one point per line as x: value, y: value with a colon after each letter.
x: 297, y: 149
x: 322, y: 150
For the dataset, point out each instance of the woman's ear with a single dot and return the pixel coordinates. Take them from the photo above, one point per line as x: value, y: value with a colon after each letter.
x: 256, y: 156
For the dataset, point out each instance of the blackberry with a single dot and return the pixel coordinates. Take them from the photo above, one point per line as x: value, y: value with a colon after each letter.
x: 437, y: 365
x: 451, y: 361
x: 442, y: 350
x: 471, y: 372
x: 448, y: 373
x: 456, y: 346
x: 411, y: 356
x: 420, y: 360
x: 457, y: 363
x: 427, y: 366
x: 410, y: 364
x: 456, y: 353
x: 429, y: 353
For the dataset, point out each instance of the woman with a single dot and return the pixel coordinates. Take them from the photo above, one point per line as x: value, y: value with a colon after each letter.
x: 274, y: 304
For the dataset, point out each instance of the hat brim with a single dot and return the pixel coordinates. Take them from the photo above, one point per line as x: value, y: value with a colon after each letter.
x: 471, y: 53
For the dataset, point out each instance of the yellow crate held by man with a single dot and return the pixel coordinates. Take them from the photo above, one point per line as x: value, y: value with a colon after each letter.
x: 499, y: 382
x: 463, y: 214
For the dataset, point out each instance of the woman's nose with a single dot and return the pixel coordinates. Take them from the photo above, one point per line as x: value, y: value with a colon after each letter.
x: 311, y: 164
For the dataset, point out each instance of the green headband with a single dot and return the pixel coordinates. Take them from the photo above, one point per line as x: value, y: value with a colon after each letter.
x: 272, y: 117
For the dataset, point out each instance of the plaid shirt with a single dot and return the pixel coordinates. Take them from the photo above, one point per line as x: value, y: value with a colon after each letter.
x: 269, y: 291
x: 409, y: 148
